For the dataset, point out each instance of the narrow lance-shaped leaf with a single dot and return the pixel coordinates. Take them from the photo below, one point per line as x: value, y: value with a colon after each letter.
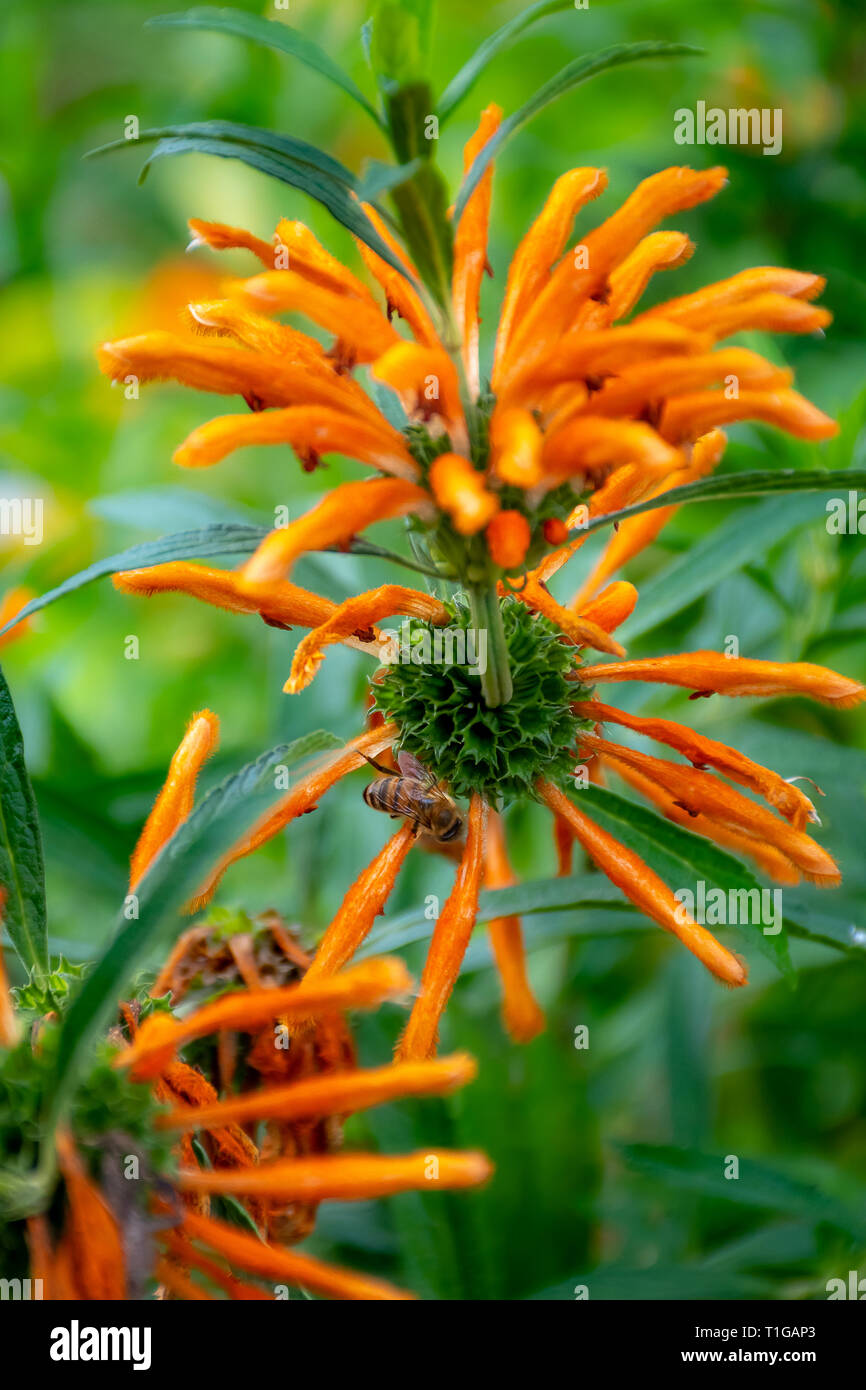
x: 272, y: 33
x: 208, y: 541
x: 729, y: 486
x: 293, y: 162
x: 465, y: 79
x: 572, y: 75
x: 223, y: 816
x: 22, y: 874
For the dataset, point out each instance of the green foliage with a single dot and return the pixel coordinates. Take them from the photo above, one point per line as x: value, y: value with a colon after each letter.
x: 271, y: 33
x: 22, y: 874
x: 444, y: 720
x: 571, y: 76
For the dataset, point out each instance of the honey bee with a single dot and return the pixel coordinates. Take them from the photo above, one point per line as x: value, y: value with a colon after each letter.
x: 413, y: 792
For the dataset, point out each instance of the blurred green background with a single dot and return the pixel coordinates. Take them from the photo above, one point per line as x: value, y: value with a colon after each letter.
x: 602, y: 1169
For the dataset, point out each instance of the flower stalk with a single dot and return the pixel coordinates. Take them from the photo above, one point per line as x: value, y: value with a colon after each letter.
x: 496, y: 684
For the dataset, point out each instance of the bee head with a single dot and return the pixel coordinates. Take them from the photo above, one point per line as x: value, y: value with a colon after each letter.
x: 447, y: 823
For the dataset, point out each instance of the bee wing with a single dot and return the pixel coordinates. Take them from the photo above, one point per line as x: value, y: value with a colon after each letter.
x: 410, y: 767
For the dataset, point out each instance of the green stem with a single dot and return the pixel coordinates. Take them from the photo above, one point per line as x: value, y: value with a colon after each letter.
x: 496, y: 683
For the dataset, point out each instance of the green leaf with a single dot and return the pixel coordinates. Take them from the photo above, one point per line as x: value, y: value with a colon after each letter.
x: 572, y: 75
x: 282, y: 157
x: 758, y: 1184
x: 273, y: 34
x: 222, y: 817
x: 681, y: 858
x: 247, y: 136
x: 379, y: 178
x: 208, y: 541
x: 579, y: 891
x: 745, y: 535
x: 465, y: 79
x: 21, y: 869
x: 729, y: 486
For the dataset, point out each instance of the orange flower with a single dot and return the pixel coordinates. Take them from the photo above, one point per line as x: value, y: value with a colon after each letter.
x: 577, y: 393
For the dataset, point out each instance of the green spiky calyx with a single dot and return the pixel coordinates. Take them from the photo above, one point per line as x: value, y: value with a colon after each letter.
x: 445, y: 722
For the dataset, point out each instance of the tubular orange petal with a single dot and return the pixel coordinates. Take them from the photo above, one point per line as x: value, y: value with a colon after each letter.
x: 340, y: 515
x: 219, y: 236
x: 343, y: 1177
x: 579, y: 355
x: 637, y: 532
x: 175, y: 801
x: 187, y: 1255
x: 508, y: 536
x: 341, y: 1093
x: 459, y: 490
x: 563, y: 837
x: 286, y: 1266
x: 307, y: 257
x: 211, y: 364
x: 770, y: 860
x: 699, y: 309
x: 361, y: 906
x: 539, y: 251
x: 360, y: 328
x: 11, y: 603
x: 448, y: 946
x: 613, y: 605
x: 707, y: 672
x: 642, y: 386
x: 224, y: 318
x: 426, y: 379
x: 470, y: 249
x: 669, y: 191
x: 364, y: 986
x: 302, y: 798
x: 703, y: 793
x: 685, y: 417
x: 658, y: 251
x: 591, y: 445
x: 583, y: 632
x: 515, y: 446
x: 280, y: 603
x: 644, y: 888
x: 703, y: 752
x: 521, y: 1013
x: 355, y: 617
x: 400, y: 295
x: 773, y: 313
x: 310, y: 430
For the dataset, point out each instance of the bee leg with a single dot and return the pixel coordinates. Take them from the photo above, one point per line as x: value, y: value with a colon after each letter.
x: 386, y: 771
